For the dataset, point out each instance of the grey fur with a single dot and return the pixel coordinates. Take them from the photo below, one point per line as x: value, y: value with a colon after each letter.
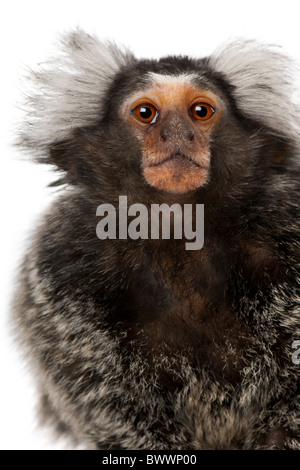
x: 107, y: 395
x: 264, y: 81
x: 195, y: 426
x: 67, y: 91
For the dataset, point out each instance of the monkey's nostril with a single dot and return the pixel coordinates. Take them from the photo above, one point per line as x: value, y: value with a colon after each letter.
x: 192, y: 137
x: 162, y: 138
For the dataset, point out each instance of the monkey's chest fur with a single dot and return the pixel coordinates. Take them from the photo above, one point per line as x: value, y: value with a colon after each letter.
x: 139, y: 350
x: 184, y: 309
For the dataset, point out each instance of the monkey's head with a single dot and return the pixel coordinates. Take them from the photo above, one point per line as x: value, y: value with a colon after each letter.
x: 173, y: 119
x: 173, y: 125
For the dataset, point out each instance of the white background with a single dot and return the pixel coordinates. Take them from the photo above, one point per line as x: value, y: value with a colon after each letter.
x: 28, y: 30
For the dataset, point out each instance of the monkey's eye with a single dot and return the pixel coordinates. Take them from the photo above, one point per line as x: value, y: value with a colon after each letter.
x: 146, y: 113
x: 202, y: 111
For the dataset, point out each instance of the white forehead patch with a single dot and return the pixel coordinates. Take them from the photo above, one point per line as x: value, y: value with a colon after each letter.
x: 156, y: 80
x: 161, y: 79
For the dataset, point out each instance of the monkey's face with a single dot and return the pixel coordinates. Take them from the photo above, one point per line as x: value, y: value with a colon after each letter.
x: 173, y: 120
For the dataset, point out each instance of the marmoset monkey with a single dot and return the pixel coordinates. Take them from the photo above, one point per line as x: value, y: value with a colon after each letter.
x: 137, y: 341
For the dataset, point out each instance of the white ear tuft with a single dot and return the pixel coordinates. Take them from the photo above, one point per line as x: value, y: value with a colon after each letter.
x: 68, y: 90
x: 264, y: 81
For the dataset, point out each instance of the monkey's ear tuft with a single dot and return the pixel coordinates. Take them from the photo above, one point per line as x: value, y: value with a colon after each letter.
x: 264, y: 81
x: 67, y: 92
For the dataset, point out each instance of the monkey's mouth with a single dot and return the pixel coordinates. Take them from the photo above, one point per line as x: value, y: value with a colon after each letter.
x: 176, y: 173
x: 179, y: 158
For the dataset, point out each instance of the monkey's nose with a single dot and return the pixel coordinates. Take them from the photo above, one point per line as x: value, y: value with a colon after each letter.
x: 186, y: 134
x: 191, y: 135
x: 162, y: 136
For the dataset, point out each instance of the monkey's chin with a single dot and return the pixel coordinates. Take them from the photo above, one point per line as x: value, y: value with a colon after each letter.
x: 176, y: 176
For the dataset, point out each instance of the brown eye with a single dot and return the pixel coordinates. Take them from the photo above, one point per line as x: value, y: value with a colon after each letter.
x: 202, y: 111
x: 145, y: 113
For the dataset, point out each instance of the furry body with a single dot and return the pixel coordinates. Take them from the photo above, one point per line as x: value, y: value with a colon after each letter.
x: 140, y: 344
